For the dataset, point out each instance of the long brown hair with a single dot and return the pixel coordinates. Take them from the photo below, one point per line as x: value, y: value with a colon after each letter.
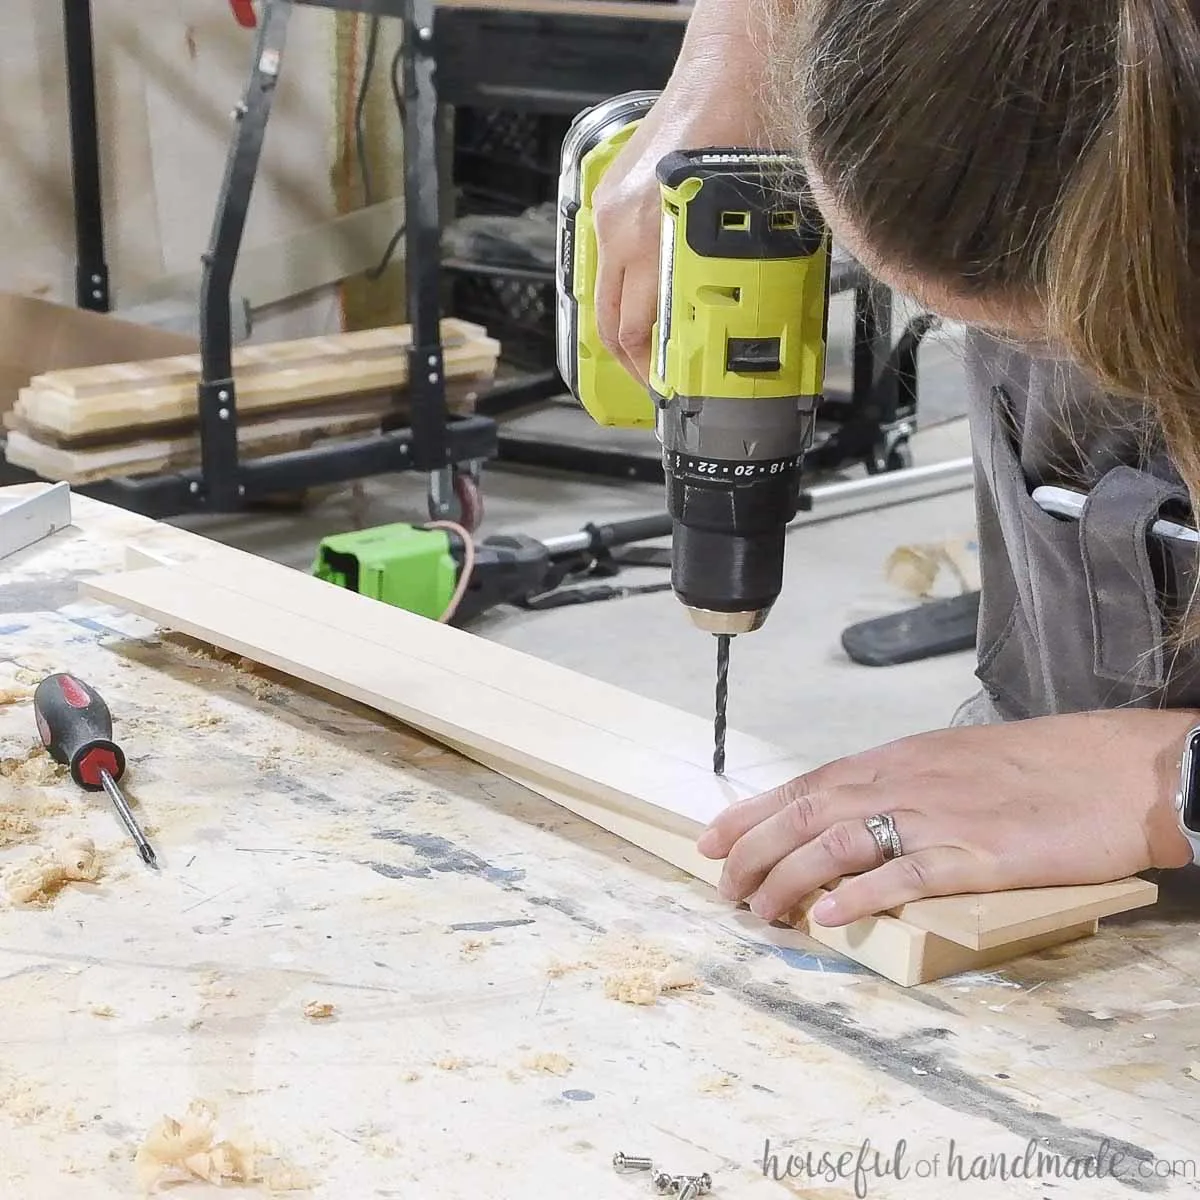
x: 1044, y: 153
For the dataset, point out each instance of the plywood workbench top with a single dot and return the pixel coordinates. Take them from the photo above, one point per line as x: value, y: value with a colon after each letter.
x: 401, y: 975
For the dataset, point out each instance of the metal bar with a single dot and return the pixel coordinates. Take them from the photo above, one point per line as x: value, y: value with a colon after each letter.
x: 219, y: 487
x: 378, y: 454
x: 581, y: 460
x: 525, y: 391
x: 423, y: 248
x: 91, y: 269
x: 29, y: 520
x: 892, y: 481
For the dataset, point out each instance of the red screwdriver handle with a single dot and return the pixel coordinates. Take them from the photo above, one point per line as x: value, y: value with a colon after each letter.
x: 243, y: 12
x: 76, y: 728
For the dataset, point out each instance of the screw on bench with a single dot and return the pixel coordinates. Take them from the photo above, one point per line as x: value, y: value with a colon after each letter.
x: 624, y: 1162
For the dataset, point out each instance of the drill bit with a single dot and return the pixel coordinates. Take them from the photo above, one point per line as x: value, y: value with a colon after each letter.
x: 723, y: 641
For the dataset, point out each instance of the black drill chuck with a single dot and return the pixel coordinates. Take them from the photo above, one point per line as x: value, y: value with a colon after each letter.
x: 730, y: 518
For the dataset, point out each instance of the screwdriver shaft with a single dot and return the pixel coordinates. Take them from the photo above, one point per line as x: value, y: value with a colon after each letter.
x: 723, y: 641
x: 128, y: 819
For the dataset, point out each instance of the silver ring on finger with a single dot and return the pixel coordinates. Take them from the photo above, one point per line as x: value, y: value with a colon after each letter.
x: 883, y: 829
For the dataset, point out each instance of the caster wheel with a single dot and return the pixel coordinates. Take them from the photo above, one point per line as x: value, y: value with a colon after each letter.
x: 898, y: 458
x: 468, y: 498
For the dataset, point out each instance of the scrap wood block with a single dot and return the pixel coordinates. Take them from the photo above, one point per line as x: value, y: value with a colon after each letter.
x: 68, y: 406
x: 257, y: 438
x: 633, y: 766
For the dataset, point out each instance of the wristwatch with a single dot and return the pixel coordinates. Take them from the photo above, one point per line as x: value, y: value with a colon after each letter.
x: 1187, y: 802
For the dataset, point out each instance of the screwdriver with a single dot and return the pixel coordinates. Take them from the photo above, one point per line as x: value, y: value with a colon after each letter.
x: 76, y: 728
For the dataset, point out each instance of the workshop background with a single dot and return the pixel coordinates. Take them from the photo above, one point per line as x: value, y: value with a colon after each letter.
x: 168, y: 74
x: 354, y: 903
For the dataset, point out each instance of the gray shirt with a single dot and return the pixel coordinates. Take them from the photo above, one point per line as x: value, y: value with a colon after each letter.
x: 1075, y: 615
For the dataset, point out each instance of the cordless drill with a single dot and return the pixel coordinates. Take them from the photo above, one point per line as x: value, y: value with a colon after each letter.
x: 737, y: 357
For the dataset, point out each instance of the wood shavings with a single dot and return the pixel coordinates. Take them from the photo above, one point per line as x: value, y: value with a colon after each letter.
x: 715, y: 1085
x: 103, y: 1010
x: 472, y: 948
x: 203, y: 720
x: 548, y: 1064
x: 410, y: 1077
x: 644, y: 973
x: 451, y: 1062
x: 34, y: 767
x: 21, y: 1101
x: 556, y: 970
x: 319, y: 1010
x: 14, y: 695
x: 632, y: 987
x: 188, y: 1150
x: 14, y: 828
x: 37, y: 881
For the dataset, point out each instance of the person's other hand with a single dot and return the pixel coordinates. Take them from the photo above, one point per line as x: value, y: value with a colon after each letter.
x: 701, y: 108
x: 1085, y: 798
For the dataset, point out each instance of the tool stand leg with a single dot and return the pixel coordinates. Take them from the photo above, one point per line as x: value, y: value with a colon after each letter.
x: 423, y: 240
x: 91, y: 270
x: 220, y: 489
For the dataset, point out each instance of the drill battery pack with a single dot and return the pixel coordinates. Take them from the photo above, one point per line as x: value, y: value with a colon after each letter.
x: 418, y: 569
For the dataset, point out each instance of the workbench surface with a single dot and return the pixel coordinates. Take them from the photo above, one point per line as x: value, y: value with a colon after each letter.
x: 470, y: 938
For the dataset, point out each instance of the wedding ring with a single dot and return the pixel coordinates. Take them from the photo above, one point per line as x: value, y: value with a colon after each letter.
x: 883, y: 829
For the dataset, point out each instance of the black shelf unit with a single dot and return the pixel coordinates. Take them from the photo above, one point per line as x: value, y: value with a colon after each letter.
x: 515, y: 81
x: 449, y: 449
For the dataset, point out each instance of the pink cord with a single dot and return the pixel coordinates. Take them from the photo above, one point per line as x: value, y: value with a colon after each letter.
x: 468, y: 569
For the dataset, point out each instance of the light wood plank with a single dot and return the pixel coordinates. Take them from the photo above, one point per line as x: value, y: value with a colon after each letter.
x: 983, y: 922
x: 284, y: 381
x: 633, y: 758
x: 273, y: 434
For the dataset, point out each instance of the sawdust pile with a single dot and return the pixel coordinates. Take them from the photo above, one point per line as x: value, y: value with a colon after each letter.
x: 472, y: 948
x: 319, y: 1010
x: 183, y: 1151
x: 203, y: 720
x: 38, y: 880
x: 14, y: 827
x: 639, y: 973
x: 548, y: 1064
x: 556, y: 970
x: 21, y: 1101
x: 34, y: 767
x: 451, y: 1062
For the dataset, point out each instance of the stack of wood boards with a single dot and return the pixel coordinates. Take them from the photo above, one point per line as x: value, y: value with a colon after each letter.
x: 141, y: 418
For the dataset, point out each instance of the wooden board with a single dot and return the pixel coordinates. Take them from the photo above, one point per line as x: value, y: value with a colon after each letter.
x: 641, y: 764
x: 256, y: 438
x: 891, y: 946
x: 71, y: 405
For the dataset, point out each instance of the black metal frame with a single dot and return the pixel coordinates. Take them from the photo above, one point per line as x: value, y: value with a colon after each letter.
x: 91, y: 269
x: 870, y: 424
x: 442, y: 445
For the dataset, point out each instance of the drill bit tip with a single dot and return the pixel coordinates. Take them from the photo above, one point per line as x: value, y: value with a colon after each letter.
x: 719, y: 722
